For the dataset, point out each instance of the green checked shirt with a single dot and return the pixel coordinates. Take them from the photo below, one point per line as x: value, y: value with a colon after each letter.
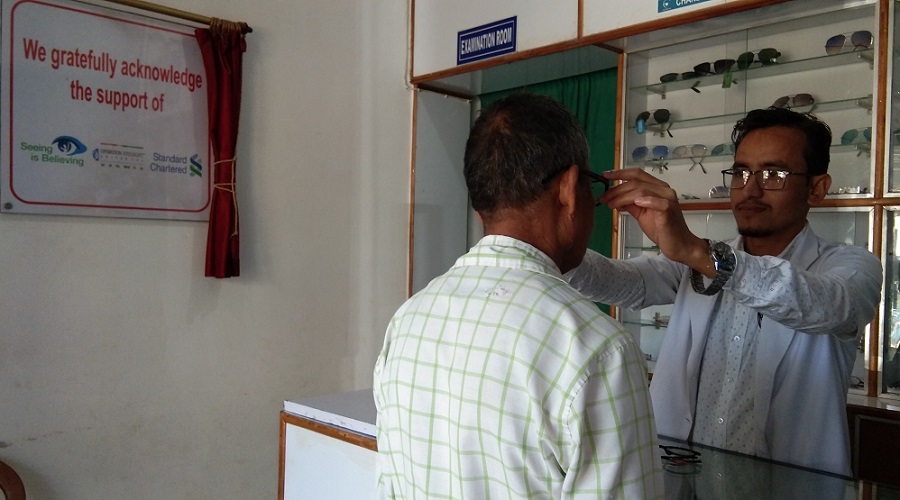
x: 499, y: 380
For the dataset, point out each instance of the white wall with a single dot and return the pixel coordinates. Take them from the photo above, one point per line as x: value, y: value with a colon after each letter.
x: 124, y: 373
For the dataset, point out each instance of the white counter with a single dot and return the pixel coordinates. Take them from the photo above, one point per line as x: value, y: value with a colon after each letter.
x: 328, y: 447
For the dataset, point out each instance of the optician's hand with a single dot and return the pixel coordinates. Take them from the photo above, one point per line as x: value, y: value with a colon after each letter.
x: 654, y: 205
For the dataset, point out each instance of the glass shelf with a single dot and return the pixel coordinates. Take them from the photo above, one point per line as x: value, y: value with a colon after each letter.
x: 695, y: 160
x: 864, y: 102
x: 757, y: 70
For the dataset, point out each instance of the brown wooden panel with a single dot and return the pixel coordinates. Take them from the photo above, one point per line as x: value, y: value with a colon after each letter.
x: 875, y: 444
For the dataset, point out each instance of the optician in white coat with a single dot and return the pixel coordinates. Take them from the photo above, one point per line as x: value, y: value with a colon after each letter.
x: 761, y: 342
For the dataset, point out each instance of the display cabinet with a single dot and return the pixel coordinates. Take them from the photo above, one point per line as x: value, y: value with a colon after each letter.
x: 686, y: 87
x: 683, y: 99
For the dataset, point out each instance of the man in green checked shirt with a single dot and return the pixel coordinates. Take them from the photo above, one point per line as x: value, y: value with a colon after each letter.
x: 498, y: 379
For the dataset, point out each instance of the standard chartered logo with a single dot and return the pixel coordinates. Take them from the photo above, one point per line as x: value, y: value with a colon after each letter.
x: 196, y: 166
x: 177, y: 164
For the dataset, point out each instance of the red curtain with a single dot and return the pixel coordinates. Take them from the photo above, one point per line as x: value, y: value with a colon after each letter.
x: 223, y: 46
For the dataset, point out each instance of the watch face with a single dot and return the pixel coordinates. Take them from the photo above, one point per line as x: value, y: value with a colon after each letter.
x: 724, y: 256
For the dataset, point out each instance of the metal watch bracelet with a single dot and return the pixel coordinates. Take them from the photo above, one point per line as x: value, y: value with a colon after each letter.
x: 722, y: 256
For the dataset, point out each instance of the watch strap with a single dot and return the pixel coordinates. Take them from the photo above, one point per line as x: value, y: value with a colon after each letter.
x: 722, y: 256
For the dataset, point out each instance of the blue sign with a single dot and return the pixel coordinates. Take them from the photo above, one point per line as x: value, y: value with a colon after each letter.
x: 667, y: 5
x: 486, y: 41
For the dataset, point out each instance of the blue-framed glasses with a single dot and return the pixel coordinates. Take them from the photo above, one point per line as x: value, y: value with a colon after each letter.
x: 644, y: 153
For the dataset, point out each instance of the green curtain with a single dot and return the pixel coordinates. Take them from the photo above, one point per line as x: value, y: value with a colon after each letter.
x: 592, y: 99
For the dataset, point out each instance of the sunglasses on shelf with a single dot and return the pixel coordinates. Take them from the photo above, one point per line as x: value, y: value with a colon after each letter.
x: 857, y: 136
x: 766, y: 57
x: 656, y: 117
x: 674, y: 77
x: 858, y: 39
x: 695, y: 152
x: 717, y: 67
x: 723, y: 149
x: 644, y: 153
x: 793, y: 101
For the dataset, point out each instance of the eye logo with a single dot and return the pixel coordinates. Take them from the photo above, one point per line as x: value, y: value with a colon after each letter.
x: 70, y: 146
x: 196, y: 166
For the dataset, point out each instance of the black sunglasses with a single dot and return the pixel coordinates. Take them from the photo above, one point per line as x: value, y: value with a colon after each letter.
x: 678, y: 455
x: 716, y: 68
x: 767, y: 57
x: 599, y: 184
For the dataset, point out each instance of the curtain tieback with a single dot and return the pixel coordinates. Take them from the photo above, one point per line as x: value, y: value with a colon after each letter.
x: 229, y: 186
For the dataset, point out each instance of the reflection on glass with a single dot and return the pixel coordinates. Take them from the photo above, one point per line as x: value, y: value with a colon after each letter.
x: 891, y: 336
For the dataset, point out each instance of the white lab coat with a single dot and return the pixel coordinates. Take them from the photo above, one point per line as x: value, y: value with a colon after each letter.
x: 800, y: 379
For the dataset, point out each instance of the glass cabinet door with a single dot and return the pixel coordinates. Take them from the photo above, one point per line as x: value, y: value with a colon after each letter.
x: 683, y: 99
x: 893, y: 153
x: 890, y: 336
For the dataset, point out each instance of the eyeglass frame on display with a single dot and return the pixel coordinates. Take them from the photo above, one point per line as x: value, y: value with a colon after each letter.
x: 722, y: 149
x: 693, y: 156
x: 843, y: 42
x: 646, y: 155
x: 758, y: 55
x: 864, y: 132
x: 790, y: 101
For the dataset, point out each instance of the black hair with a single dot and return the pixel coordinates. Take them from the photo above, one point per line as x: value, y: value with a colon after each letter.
x: 816, y: 151
x: 516, y: 146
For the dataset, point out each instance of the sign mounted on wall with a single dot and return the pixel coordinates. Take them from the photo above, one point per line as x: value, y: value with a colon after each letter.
x: 489, y: 40
x: 667, y: 5
x: 104, y: 114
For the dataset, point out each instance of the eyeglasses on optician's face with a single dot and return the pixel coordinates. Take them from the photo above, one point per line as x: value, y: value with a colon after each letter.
x: 769, y: 179
x: 599, y: 184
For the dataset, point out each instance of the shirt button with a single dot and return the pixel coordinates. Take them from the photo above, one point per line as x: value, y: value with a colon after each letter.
x: 736, y: 338
x: 721, y: 420
x: 730, y: 380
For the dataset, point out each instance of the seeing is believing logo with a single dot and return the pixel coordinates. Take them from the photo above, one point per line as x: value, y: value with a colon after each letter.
x: 64, y: 150
x: 69, y: 145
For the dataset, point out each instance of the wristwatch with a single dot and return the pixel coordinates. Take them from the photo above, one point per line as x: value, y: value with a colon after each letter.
x: 723, y: 259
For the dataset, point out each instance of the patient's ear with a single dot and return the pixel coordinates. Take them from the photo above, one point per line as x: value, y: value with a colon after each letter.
x: 820, y: 184
x: 568, y: 190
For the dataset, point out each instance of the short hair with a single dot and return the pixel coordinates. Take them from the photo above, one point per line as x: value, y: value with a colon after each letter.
x: 516, y: 145
x: 816, y: 151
